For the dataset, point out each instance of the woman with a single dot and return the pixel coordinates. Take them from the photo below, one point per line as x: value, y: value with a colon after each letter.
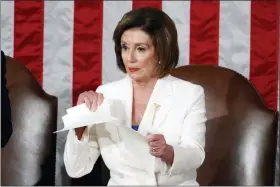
x: 168, y: 111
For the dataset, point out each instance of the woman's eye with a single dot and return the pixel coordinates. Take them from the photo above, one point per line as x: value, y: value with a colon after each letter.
x: 141, y: 49
x: 124, y: 47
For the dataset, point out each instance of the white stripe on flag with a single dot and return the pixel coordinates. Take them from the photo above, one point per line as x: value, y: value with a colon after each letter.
x: 234, y: 48
x: 58, y: 60
x: 7, y: 27
x: 112, y: 14
x: 179, y: 11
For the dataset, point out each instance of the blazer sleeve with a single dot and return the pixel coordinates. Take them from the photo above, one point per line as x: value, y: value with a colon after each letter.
x: 189, y: 154
x: 81, y: 155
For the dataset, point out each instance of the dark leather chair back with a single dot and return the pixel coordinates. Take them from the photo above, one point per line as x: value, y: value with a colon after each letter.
x: 29, y: 157
x: 241, y: 136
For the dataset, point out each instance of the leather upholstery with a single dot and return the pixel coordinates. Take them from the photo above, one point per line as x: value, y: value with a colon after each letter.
x: 241, y: 137
x: 29, y: 157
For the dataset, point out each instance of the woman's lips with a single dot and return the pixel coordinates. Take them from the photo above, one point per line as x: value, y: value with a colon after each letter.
x: 133, y: 69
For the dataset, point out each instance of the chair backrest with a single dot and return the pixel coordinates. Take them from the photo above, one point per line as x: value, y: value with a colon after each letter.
x: 241, y: 136
x: 29, y: 156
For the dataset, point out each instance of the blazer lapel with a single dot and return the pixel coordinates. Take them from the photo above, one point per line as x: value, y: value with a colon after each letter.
x: 127, y: 91
x: 158, y: 107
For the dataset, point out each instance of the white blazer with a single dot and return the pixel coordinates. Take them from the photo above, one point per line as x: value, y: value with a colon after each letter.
x: 180, y: 118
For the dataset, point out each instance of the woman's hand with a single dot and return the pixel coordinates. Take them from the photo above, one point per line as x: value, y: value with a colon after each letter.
x: 160, y: 149
x: 92, y: 100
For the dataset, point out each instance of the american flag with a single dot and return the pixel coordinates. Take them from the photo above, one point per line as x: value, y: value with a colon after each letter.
x: 68, y: 45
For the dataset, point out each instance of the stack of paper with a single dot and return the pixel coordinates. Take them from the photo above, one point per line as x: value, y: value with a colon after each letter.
x: 81, y: 115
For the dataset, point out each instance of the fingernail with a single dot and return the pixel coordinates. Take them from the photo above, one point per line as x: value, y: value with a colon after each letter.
x: 92, y: 108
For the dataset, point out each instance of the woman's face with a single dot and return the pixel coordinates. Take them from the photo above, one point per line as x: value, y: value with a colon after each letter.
x: 138, y: 54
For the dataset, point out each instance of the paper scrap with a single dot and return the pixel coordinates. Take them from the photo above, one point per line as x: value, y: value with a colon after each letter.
x: 81, y: 115
x: 138, y: 146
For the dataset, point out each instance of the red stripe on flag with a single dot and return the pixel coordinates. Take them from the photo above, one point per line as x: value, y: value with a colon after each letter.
x: 264, y: 50
x: 29, y: 35
x: 87, y: 49
x: 140, y: 3
x: 204, y: 32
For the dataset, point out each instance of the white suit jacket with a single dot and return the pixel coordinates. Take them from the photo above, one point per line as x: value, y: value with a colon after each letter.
x: 180, y: 118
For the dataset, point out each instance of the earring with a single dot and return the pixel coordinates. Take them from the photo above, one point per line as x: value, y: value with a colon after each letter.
x: 158, y: 62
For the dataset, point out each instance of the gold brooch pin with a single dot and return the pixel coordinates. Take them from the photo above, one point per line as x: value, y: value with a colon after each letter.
x: 156, y: 106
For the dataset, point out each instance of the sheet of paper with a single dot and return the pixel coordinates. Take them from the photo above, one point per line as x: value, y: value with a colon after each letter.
x: 138, y: 146
x: 134, y: 143
x: 82, y: 108
x: 71, y: 122
x: 80, y: 116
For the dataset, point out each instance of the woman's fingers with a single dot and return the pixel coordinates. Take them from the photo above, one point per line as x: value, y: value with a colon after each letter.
x: 91, y: 99
x: 83, y: 98
x: 94, y: 102
x: 100, y: 99
x: 97, y: 100
x: 87, y: 101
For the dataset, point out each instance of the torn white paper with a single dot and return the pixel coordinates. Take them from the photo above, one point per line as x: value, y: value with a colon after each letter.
x: 138, y: 146
x: 81, y: 115
x: 135, y: 143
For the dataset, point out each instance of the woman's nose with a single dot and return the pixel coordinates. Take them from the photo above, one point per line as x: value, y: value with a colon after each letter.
x: 130, y: 56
